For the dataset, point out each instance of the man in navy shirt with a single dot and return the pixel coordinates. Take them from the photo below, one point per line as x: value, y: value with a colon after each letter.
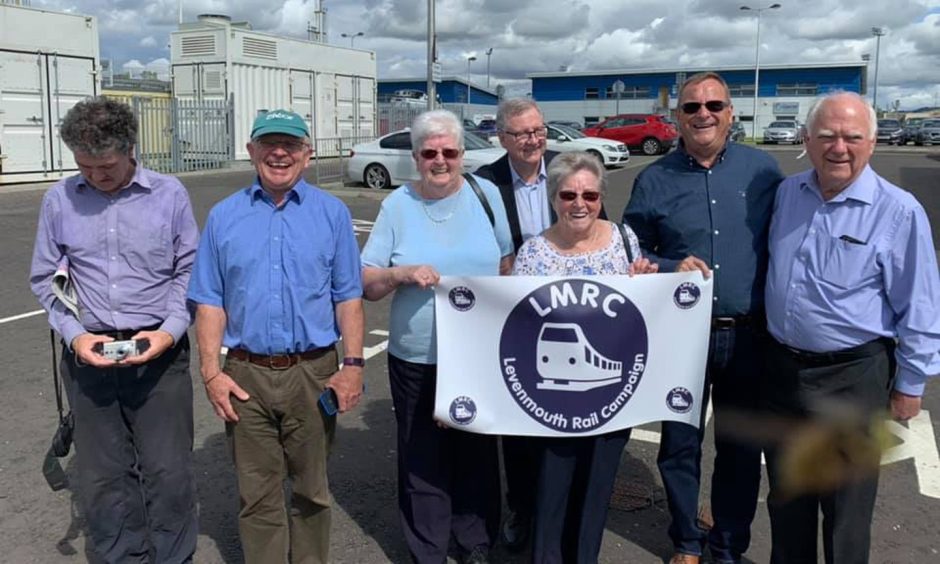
x: 706, y: 206
x: 277, y: 281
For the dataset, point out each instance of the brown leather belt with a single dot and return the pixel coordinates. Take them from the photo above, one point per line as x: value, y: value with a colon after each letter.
x: 278, y: 361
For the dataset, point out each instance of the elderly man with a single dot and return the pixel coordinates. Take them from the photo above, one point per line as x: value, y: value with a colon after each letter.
x: 128, y: 237
x: 853, y: 306
x: 521, y: 179
x: 706, y: 207
x: 277, y: 281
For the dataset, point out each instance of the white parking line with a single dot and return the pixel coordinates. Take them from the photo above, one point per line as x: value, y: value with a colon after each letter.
x: 22, y: 316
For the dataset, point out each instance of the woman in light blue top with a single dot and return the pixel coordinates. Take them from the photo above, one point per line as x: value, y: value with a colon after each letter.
x: 576, y: 474
x: 448, y: 480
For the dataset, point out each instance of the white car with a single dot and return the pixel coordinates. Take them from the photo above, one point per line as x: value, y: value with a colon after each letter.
x: 387, y: 161
x: 563, y: 139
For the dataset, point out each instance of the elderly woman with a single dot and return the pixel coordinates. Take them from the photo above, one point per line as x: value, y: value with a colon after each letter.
x: 448, y: 480
x: 577, y: 474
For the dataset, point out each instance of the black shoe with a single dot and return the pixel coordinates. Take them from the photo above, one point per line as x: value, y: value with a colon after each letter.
x: 515, y: 530
x: 479, y: 555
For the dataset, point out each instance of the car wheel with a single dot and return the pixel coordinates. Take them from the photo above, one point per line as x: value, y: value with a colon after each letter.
x: 376, y: 177
x: 596, y: 155
x: 651, y: 146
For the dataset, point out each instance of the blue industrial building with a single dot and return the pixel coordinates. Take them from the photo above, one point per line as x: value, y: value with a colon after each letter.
x: 451, y: 90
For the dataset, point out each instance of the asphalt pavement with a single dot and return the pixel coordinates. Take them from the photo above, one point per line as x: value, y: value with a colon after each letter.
x: 41, y: 526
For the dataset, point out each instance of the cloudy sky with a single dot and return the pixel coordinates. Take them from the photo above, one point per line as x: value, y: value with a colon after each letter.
x: 546, y: 35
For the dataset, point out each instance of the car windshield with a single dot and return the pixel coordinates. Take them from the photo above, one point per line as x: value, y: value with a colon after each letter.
x: 472, y: 143
x: 783, y: 124
x: 889, y: 123
x: 931, y: 123
x: 569, y: 131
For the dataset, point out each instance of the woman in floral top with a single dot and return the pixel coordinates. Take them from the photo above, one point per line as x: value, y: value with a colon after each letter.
x: 577, y: 474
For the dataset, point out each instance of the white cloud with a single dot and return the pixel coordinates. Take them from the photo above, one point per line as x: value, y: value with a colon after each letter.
x: 543, y: 35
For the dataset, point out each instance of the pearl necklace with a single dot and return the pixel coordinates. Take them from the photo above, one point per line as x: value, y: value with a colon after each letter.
x: 427, y: 208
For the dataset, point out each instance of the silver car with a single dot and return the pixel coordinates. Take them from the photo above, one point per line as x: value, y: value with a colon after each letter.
x: 784, y: 132
x: 890, y: 131
x: 928, y: 133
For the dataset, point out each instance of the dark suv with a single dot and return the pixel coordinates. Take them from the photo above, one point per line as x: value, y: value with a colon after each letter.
x: 648, y: 132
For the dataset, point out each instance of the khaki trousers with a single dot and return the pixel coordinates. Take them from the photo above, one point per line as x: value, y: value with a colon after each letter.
x: 282, y: 433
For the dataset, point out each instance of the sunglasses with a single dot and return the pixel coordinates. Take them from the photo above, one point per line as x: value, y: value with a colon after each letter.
x: 568, y: 196
x: 431, y: 154
x: 711, y: 105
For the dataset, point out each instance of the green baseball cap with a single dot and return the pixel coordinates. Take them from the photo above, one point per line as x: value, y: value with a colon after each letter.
x: 279, y: 121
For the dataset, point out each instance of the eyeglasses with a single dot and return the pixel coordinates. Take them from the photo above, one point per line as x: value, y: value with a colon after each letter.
x: 289, y: 146
x: 431, y: 154
x: 537, y: 133
x: 711, y: 105
x: 568, y: 196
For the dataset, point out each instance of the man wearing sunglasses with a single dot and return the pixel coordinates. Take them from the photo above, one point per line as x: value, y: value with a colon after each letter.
x: 521, y: 179
x: 706, y: 206
x: 277, y: 281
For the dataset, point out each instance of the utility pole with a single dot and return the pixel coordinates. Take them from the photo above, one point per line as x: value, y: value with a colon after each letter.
x: 432, y: 55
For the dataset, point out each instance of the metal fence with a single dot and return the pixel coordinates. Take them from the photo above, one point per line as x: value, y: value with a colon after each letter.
x: 184, y: 135
x: 330, y: 155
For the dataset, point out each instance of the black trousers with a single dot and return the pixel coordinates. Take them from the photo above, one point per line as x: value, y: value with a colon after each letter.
x: 133, y: 448
x: 521, y: 466
x: 574, y: 486
x: 806, y: 387
x: 448, y: 480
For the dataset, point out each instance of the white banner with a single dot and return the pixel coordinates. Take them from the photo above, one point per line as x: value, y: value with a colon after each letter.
x: 563, y: 356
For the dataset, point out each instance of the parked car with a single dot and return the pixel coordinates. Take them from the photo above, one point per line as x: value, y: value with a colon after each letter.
x: 648, y: 132
x: 572, y: 124
x: 487, y: 128
x: 387, y: 161
x: 784, y: 132
x: 909, y: 133
x: 928, y: 133
x: 737, y: 132
x: 562, y: 138
x: 890, y: 131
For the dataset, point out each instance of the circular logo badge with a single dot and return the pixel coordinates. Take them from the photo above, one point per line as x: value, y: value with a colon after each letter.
x: 462, y: 410
x: 461, y: 298
x: 679, y: 400
x: 572, y: 354
x: 687, y: 295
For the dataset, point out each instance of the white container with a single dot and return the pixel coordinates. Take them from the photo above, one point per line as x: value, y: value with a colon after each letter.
x: 48, y: 63
x: 332, y: 87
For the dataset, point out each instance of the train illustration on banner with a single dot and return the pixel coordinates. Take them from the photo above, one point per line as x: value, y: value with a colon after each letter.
x: 567, y: 361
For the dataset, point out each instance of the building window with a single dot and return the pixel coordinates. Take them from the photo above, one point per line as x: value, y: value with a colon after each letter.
x: 591, y: 120
x: 741, y: 90
x: 591, y: 94
x: 630, y: 93
x: 798, y: 89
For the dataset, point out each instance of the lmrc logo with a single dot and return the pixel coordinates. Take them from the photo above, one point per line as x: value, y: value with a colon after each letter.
x: 572, y: 354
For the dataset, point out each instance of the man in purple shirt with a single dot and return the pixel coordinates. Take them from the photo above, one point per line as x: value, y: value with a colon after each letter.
x: 128, y: 238
x: 853, y: 306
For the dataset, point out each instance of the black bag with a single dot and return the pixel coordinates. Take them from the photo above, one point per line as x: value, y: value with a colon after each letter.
x: 52, y: 469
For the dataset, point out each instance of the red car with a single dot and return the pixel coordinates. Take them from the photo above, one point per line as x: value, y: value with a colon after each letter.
x: 650, y: 132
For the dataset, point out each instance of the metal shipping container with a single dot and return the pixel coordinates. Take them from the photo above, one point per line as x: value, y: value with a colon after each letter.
x: 332, y: 87
x: 48, y: 62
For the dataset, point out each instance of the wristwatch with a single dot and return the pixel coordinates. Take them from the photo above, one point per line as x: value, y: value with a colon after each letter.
x: 354, y: 361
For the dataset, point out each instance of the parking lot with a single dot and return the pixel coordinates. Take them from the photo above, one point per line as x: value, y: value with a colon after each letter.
x: 41, y: 526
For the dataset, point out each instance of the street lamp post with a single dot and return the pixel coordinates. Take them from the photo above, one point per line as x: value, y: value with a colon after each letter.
x: 757, y: 62
x: 488, y: 53
x: 470, y: 59
x: 877, y: 32
x: 352, y: 37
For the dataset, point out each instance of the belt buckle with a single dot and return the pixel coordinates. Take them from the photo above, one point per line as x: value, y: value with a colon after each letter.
x: 280, y: 361
x: 723, y: 322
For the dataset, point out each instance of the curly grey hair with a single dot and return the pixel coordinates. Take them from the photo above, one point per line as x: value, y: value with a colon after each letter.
x: 99, y: 125
x: 566, y: 164
x: 435, y: 123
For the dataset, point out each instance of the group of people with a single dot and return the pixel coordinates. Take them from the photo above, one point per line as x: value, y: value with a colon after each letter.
x: 826, y: 308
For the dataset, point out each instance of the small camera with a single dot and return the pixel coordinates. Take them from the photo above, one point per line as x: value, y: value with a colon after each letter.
x: 119, y: 350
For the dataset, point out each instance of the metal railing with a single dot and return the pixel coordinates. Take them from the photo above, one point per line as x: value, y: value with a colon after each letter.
x: 330, y: 156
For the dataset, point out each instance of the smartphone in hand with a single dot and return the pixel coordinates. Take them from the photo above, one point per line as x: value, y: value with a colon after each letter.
x: 328, y: 402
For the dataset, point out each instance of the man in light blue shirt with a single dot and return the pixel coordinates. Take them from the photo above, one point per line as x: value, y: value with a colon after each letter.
x: 853, y: 306
x: 277, y: 281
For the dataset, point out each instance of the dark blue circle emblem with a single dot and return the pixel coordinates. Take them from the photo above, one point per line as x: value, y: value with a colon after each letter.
x: 679, y: 400
x: 687, y: 295
x: 572, y: 354
x: 463, y: 410
x: 461, y: 298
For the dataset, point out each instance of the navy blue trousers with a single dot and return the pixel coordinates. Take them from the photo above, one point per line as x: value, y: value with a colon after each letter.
x: 448, y: 480
x: 733, y: 377
x: 133, y: 447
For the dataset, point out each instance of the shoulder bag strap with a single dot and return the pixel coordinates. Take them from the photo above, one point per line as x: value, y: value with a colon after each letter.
x: 626, y: 242
x: 479, y: 192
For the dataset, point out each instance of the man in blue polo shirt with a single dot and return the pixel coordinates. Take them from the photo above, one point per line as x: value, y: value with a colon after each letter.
x: 706, y: 206
x: 277, y: 281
